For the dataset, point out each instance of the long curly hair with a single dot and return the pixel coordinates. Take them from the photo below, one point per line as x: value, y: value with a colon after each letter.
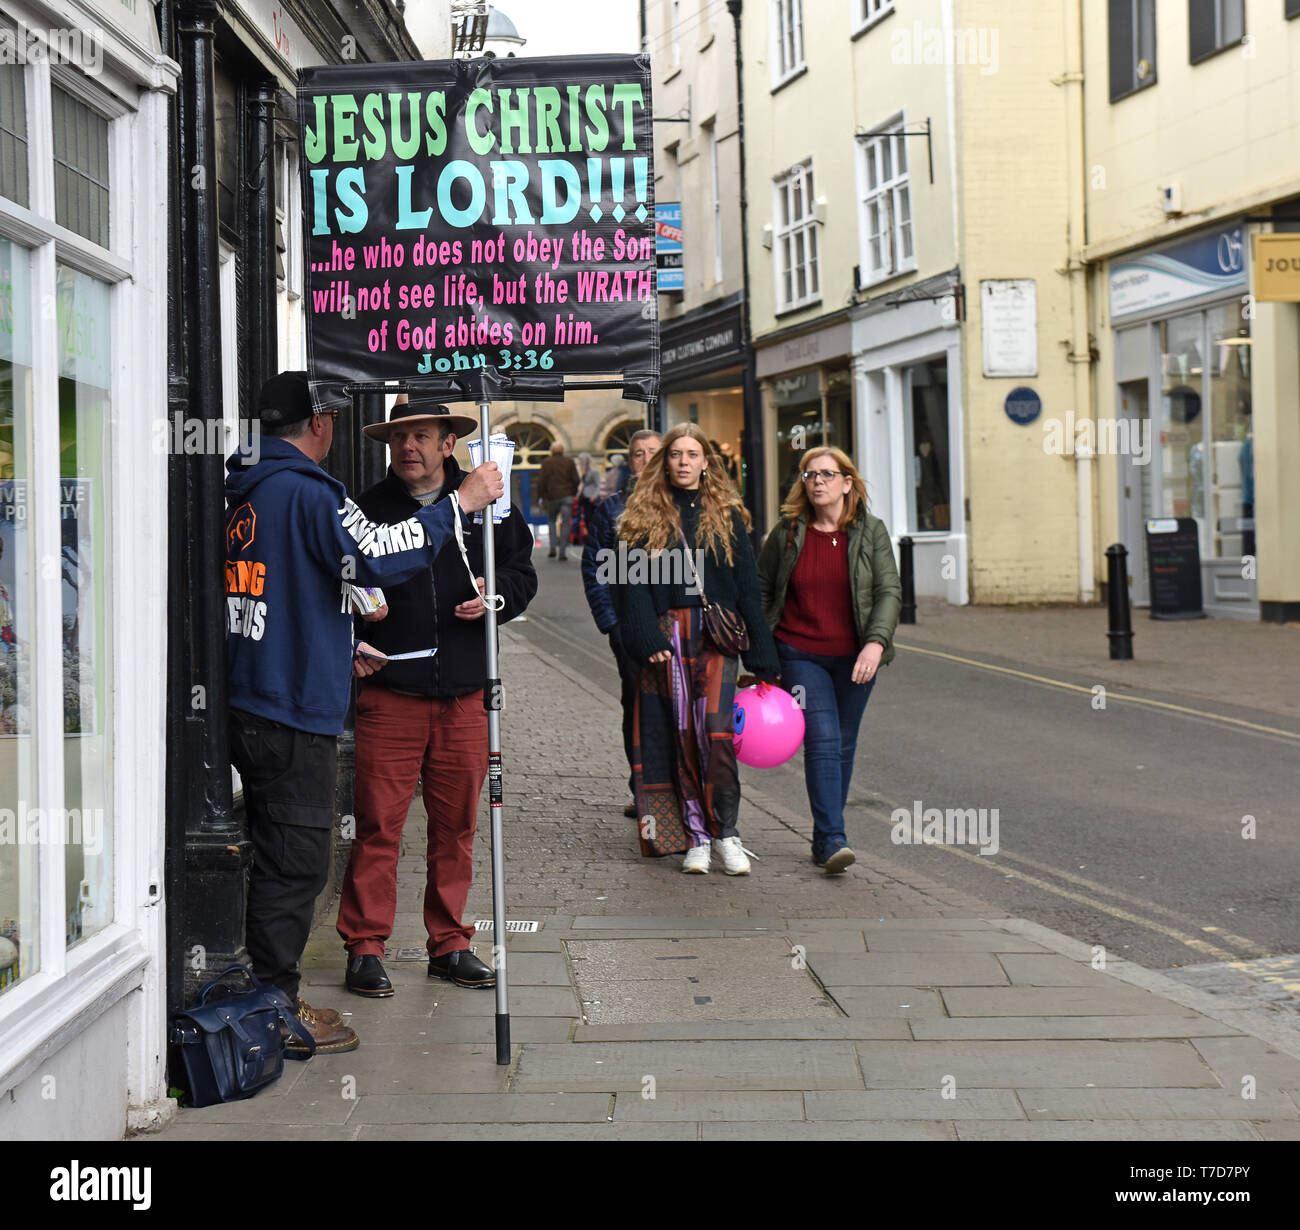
x: 797, y: 504
x: 651, y: 519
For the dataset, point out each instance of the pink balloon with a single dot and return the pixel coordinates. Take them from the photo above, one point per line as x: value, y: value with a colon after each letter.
x: 767, y: 724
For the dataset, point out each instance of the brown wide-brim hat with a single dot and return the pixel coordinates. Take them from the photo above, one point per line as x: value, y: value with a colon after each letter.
x: 409, y: 414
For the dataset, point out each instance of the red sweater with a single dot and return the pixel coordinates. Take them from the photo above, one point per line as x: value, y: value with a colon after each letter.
x: 818, y: 612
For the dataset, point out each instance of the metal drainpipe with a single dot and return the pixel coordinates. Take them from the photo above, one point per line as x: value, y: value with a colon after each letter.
x: 752, y: 455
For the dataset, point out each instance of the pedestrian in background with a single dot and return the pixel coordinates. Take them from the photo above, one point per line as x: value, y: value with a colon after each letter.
x: 832, y: 597
x: 588, y: 496
x: 687, y: 785
x: 557, y: 486
x: 601, y: 549
x: 615, y: 476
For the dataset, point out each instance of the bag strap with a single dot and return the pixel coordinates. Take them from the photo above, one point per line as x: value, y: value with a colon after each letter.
x: 208, y: 987
x: 690, y: 563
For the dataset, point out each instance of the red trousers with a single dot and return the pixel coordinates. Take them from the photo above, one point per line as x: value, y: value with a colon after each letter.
x: 398, y: 738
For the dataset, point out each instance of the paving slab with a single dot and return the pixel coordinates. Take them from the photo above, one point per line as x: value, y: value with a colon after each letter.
x: 674, y: 923
x: 525, y: 1001
x: 718, y: 1107
x: 827, y: 941
x: 1278, y: 1131
x: 904, y: 1104
x: 1113, y: 1000
x: 745, y: 1031
x: 613, y: 1066
x: 1234, y: 1059
x: 530, y: 1133
x: 1047, y: 1064
x: 1113, y: 1129
x: 536, y: 969
x: 885, y: 924
x: 319, y: 1105
x: 848, y: 1130
x: 493, y: 1108
x: 930, y: 939
x: 1029, y: 1027
x: 1051, y: 971
x: 974, y: 969
x: 409, y: 1067
x: 184, y: 1128
x: 898, y: 1003
x: 1102, y: 1103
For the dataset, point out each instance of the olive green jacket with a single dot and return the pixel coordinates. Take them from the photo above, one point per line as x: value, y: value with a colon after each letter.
x: 877, y: 592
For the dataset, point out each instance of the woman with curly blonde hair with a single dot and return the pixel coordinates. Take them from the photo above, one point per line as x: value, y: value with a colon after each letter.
x: 832, y: 597
x: 687, y: 542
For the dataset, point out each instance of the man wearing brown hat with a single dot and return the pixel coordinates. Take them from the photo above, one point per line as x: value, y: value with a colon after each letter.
x: 294, y: 542
x: 425, y: 717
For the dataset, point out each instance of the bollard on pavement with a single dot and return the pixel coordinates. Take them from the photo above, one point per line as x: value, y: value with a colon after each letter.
x: 1120, y: 632
x: 908, y: 614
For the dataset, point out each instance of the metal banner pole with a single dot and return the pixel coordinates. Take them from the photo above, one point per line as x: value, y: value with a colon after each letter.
x: 492, y: 703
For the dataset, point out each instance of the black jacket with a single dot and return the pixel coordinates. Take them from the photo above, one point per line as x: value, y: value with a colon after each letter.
x: 421, y: 611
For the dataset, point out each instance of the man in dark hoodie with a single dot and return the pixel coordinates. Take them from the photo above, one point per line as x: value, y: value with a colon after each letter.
x: 293, y: 543
x: 426, y: 715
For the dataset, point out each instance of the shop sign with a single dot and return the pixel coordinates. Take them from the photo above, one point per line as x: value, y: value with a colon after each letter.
x: 1276, y: 261
x: 668, y: 246
x: 1213, y: 262
x: 270, y: 19
x: 134, y: 18
x: 709, y: 345
x: 806, y: 350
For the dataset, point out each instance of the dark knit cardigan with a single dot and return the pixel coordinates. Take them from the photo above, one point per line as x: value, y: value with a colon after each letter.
x: 732, y: 585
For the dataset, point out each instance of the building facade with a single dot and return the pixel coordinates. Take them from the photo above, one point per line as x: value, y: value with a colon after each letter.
x: 1193, y: 151
x: 85, y: 89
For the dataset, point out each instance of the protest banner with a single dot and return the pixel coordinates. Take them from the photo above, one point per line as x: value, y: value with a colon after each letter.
x: 467, y: 214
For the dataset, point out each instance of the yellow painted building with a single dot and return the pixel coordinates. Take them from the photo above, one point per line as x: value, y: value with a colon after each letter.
x: 1192, y: 115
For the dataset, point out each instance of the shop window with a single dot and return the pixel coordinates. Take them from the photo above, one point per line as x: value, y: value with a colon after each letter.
x: 85, y: 388
x: 1292, y: 9
x: 787, y: 40
x: 80, y: 168
x: 798, y: 278
x: 13, y: 133
x: 1231, y: 434
x: 1132, y: 34
x: 885, y: 218
x: 19, y: 884
x: 1214, y: 26
x: 927, y: 387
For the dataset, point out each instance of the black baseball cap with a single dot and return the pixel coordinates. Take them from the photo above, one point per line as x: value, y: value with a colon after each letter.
x: 285, y: 399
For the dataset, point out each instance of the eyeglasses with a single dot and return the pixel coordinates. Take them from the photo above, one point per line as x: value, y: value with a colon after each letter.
x: 824, y: 475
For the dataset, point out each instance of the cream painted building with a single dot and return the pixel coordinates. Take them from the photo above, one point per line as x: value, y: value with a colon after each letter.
x: 915, y: 262
x: 1193, y: 147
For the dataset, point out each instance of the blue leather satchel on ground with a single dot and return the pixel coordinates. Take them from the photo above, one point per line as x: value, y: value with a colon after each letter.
x: 232, y: 1046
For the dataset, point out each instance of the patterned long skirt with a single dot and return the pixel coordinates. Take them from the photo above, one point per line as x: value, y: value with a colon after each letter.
x: 684, y: 762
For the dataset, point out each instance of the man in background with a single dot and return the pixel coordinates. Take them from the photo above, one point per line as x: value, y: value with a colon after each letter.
x: 558, y: 481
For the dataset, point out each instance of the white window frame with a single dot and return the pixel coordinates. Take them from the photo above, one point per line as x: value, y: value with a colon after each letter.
x: 806, y: 225
x: 890, y: 192
x: 866, y: 13
x: 74, y: 986
x: 787, y: 53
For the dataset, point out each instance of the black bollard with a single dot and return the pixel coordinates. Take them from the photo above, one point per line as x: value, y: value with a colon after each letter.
x: 908, y: 615
x: 1120, y: 632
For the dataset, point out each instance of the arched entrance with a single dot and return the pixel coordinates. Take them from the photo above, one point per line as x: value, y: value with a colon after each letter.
x: 533, y: 442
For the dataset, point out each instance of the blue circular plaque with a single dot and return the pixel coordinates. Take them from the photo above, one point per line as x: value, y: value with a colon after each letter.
x: 1023, y: 405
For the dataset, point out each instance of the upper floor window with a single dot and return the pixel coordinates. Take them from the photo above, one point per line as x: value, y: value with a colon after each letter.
x: 1213, y: 26
x: 80, y: 168
x: 798, y: 279
x: 787, y: 39
x: 868, y: 12
x: 1132, y: 33
x: 885, y: 219
x: 13, y: 134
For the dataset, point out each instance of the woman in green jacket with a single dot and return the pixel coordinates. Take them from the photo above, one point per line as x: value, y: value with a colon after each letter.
x: 832, y: 597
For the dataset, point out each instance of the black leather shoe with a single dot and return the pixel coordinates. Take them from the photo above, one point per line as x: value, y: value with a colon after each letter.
x: 463, y: 968
x: 630, y: 811
x: 366, y: 976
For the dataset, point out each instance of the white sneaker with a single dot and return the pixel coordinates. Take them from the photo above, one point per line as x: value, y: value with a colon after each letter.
x: 734, y: 862
x: 696, y: 861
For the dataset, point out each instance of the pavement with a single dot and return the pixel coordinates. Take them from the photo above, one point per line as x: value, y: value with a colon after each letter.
x: 650, y: 1005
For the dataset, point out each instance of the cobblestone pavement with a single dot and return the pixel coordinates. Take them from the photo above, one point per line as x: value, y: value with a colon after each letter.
x: 780, y: 1005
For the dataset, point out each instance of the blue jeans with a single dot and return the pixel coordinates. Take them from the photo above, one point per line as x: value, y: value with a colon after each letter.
x: 833, y: 706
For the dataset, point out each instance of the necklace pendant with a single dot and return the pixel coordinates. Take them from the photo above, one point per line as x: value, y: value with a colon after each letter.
x: 835, y: 542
